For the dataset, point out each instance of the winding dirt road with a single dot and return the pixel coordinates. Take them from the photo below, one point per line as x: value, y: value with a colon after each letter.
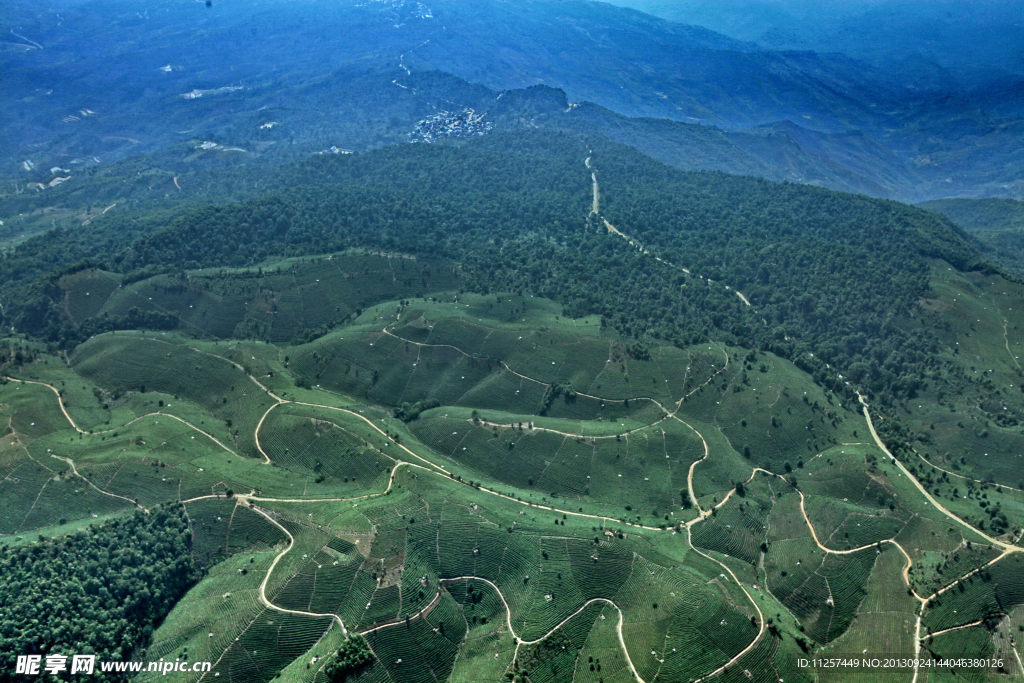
x: 431, y: 467
x: 519, y: 641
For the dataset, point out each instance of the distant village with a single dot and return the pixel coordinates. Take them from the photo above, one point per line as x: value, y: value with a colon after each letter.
x: 445, y: 124
x: 334, y: 149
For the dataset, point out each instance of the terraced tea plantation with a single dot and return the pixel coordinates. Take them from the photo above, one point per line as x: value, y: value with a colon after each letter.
x: 487, y: 490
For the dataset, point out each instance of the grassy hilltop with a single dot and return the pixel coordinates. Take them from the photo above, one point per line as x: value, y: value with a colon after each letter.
x: 715, y: 501
x: 535, y: 409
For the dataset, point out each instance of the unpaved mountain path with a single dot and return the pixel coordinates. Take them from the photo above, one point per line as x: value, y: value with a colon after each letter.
x: 596, y: 211
x: 430, y: 466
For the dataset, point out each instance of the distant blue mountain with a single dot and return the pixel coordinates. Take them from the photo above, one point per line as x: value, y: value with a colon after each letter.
x: 104, y: 79
x: 936, y: 42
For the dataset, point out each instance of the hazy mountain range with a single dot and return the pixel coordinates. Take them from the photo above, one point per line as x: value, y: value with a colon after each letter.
x: 405, y: 342
x: 109, y: 78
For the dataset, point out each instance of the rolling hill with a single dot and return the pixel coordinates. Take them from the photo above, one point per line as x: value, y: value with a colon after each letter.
x: 466, y: 353
x: 532, y: 405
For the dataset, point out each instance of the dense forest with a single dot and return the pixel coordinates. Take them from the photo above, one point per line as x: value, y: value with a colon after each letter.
x: 979, y: 215
x: 833, y: 279
x: 998, y: 225
x: 410, y: 354
x: 100, y: 591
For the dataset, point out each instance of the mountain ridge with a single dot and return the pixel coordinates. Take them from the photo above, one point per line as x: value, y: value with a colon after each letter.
x: 682, y: 73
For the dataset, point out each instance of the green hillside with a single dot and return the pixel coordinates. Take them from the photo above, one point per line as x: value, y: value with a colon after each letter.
x: 514, y: 213
x: 530, y: 408
x: 981, y: 215
x: 998, y: 224
x: 659, y: 468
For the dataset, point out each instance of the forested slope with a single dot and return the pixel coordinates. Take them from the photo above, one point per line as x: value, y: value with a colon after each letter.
x: 826, y: 273
x: 100, y: 592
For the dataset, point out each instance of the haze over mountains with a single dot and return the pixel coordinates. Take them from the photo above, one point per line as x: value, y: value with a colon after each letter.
x: 931, y: 43
x: 106, y: 79
x: 404, y: 342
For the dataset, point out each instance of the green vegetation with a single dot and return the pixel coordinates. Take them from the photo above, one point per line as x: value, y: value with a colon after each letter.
x: 424, y: 561
x: 981, y: 216
x: 99, y: 591
x: 408, y: 413
x: 430, y: 418
x: 998, y: 224
x: 708, y: 223
x: 353, y: 655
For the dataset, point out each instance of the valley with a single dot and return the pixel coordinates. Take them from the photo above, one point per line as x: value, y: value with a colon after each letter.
x: 408, y: 342
x: 623, y: 418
